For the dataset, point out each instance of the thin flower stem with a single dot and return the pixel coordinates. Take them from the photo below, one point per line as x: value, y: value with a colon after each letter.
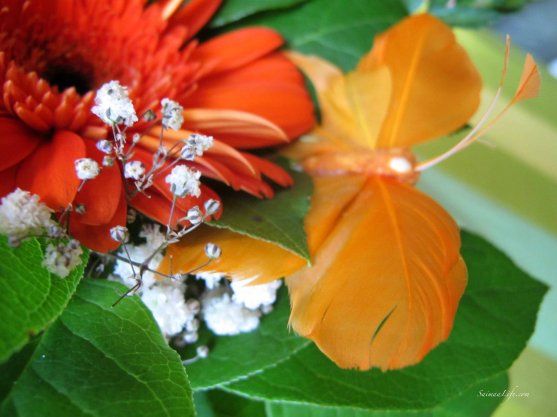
x: 128, y: 292
x: 138, y: 264
x: 168, y: 228
x: 161, y: 134
x: 129, y: 260
x: 200, y: 267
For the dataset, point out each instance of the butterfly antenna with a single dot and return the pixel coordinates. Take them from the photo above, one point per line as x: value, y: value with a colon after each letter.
x: 527, y: 88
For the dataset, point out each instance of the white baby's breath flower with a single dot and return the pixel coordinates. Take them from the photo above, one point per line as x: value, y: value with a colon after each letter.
x: 108, y: 161
x: 212, y: 279
x: 119, y: 234
x: 211, y: 206
x: 184, y: 181
x: 126, y: 271
x: 87, y: 168
x: 134, y: 170
x: 113, y: 105
x: 255, y: 296
x: 22, y: 215
x: 194, y: 215
x: 105, y: 146
x: 62, y: 258
x: 226, y: 317
x: 166, y: 302
x: 196, y: 144
x: 153, y: 236
x: 212, y: 251
x: 172, y: 117
x: 202, y: 351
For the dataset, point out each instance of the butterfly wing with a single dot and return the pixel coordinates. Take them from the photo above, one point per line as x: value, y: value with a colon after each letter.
x: 242, y: 256
x: 435, y: 87
x: 353, y: 107
x: 386, y: 280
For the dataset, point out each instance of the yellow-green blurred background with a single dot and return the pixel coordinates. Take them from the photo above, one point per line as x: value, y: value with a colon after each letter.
x: 505, y: 188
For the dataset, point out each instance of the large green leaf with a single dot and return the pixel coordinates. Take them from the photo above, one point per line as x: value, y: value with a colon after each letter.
x: 234, y: 10
x: 478, y: 401
x: 30, y: 297
x: 217, y: 403
x: 337, y: 30
x: 279, y: 220
x: 236, y: 357
x: 495, y: 319
x: 96, y: 360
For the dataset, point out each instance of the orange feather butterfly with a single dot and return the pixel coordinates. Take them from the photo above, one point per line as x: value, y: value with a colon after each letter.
x: 387, y: 275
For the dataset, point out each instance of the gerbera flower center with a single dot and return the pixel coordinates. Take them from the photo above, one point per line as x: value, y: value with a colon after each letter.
x: 65, y: 76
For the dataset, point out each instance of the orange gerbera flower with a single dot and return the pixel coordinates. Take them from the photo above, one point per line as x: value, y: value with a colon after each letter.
x: 387, y: 275
x: 54, y: 55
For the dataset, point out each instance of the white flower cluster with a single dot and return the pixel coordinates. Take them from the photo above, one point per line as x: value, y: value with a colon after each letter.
x: 165, y: 299
x: 255, y: 296
x: 134, y: 170
x: 225, y: 317
x: 61, y: 258
x: 195, y: 145
x: 87, y: 169
x: 23, y: 215
x: 184, y: 181
x: 168, y: 305
x: 230, y: 314
x: 172, y: 117
x: 226, y: 309
x: 113, y: 105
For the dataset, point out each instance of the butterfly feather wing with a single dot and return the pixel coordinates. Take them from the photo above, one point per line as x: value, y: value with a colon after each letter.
x: 386, y: 281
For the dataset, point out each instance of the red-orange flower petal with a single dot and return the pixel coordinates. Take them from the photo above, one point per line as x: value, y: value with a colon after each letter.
x: 236, y: 49
x: 50, y: 171
x: 8, y: 180
x: 248, y: 89
x: 16, y: 142
x: 98, y: 237
x: 101, y: 196
x: 194, y: 15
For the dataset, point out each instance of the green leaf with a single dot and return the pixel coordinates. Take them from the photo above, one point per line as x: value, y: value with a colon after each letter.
x: 279, y: 220
x: 30, y: 297
x: 234, y: 10
x: 336, y: 30
x: 470, y: 403
x: 235, y: 357
x: 217, y: 403
x: 465, y: 16
x: 96, y: 360
x: 489, y: 333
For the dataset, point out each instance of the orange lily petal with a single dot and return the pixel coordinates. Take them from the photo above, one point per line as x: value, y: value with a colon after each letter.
x: 16, y: 142
x: 100, y: 196
x: 50, y: 171
x: 386, y: 282
x: 98, y: 237
x: 435, y: 87
x: 242, y: 257
x: 236, y: 49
